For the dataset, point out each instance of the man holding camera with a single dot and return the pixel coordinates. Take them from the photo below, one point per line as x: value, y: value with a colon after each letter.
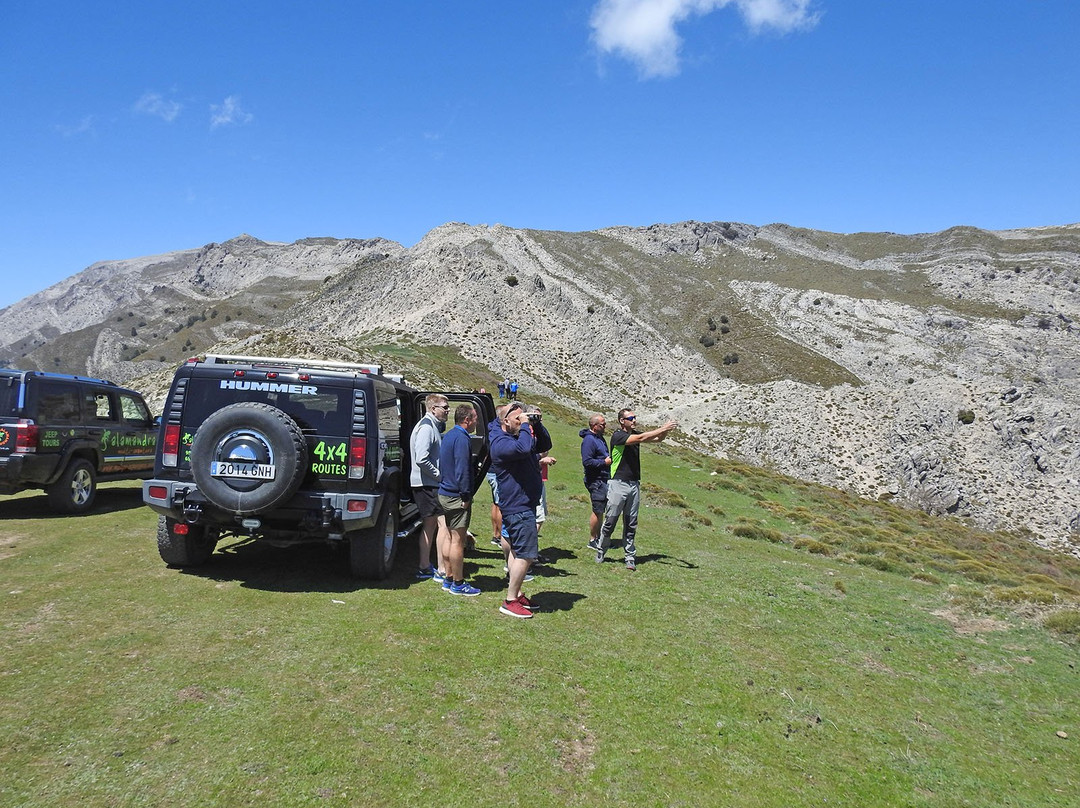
x: 515, y: 458
x: 624, y: 489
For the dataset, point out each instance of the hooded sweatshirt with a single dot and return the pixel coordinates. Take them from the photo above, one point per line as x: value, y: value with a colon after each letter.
x: 516, y: 462
x: 594, y: 452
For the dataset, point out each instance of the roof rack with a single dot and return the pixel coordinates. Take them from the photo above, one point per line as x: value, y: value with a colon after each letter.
x: 226, y: 359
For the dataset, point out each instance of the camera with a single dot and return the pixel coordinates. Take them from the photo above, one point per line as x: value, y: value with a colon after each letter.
x: 534, y: 417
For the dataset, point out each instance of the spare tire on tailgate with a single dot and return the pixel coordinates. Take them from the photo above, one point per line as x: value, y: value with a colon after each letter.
x: 238, y: 444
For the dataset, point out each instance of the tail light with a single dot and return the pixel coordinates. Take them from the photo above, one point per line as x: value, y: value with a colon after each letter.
x: 357, y: 458
x: 170, y: 449
x: 26, y: 436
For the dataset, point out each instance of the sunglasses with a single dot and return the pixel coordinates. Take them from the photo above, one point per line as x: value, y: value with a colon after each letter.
x: 513, y: 408
x: 629, y: 417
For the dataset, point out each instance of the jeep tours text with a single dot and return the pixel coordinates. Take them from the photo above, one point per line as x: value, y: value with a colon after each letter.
x: 290, y: 451
x: 64, y: 433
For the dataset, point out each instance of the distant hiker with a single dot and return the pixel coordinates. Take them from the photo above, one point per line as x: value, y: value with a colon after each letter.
x: 513, y: 389
x: 424, y: 479
x: 515, y: 457
x: 624, y: 488
x: 455, y: 496
x: 502, y: 389
x: 596, y: 461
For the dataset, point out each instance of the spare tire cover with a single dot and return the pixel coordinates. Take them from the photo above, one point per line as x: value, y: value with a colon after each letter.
x: 249, y: 432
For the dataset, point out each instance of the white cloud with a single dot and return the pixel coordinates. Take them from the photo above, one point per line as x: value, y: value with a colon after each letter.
x: 157, y: 105
x: 644, y: 30
x: 86, y: 125
x: 229, y: 112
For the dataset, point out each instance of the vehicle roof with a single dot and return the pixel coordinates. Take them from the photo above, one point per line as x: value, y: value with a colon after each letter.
x: 319, y: 367
x: 45, y: 374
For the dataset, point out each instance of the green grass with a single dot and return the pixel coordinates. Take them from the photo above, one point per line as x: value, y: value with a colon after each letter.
x: 753, y: 659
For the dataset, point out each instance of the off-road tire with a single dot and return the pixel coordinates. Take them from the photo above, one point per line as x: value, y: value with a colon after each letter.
x: 189, y: 550
x: 271, y: 434
x: 372, y: 552
x: 75, y: 490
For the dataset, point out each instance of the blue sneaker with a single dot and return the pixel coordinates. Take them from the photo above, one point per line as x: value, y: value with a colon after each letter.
x: 424, y: 574
x: 447, y: 583
x: 437, y: 576
x: 464, y: 588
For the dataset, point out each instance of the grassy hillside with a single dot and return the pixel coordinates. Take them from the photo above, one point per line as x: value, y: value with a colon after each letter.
x: 779, y: 645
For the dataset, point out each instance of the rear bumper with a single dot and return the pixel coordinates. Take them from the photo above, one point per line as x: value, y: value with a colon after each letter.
x: 22, y: 471
x: 308, y: 515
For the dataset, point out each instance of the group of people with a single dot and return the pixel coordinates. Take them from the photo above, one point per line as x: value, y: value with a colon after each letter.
x: 613, y: 480
x: 443, y: 485
x: 508, y: 388
x: 519, y: 445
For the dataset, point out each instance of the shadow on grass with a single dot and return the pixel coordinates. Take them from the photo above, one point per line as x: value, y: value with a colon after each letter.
x: 661, y: 558
x: 300, y: 568
x: 107, y: 500
x: 555, y: 601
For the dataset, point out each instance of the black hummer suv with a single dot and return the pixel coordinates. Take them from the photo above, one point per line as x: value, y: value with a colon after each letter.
x: 65, y: 433
x: 290, y: 451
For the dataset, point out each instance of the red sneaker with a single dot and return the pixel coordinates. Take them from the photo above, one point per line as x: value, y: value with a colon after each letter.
x: 528, y: 604
x: 514, y: 608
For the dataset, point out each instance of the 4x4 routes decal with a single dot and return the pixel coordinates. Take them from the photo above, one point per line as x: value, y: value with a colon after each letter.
x: 332, y: 458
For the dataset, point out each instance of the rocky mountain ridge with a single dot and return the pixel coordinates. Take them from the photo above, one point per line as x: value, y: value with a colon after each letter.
x: 939, y: 369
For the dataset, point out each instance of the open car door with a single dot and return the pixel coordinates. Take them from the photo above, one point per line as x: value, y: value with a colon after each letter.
x: 480, y: 448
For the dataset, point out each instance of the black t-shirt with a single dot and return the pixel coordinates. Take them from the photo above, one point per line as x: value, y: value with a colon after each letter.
x: 625, y: 458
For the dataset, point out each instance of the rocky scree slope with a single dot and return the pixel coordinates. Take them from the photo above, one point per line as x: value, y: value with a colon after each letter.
x: 939, y: 369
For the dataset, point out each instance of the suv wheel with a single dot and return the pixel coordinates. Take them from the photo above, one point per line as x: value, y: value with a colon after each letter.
x: 74, y: 492
x: 372, y: 552
x: 186, y: 549
x: 247, y: 433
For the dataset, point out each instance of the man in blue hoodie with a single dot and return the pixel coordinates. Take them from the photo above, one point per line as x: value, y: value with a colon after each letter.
x: 596, y: 460
x: 515, y: 457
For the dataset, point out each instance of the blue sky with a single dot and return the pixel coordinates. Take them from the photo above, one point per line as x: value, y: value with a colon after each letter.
x: 136, y: 128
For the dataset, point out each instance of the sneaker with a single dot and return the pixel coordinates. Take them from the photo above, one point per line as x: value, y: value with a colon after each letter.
x: 496, y: 541
x: 599, y: 556
x: 594, y: 544
x: 423, y: 574
x: 630, y: 565
x: 528, y: 604
x: 437, y: 576
x: 514, y: 608
x: 447, y: 583
x: 464, y: 588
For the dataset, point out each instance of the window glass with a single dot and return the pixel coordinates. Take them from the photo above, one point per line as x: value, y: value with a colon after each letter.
x: 9, y: 395
x: 101, y: 405
x: 58, y: 403
x: 134, y: 410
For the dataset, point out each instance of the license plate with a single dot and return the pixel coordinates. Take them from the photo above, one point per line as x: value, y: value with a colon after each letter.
x: 245, y: 471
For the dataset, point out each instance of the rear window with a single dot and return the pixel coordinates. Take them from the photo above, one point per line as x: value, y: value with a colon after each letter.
x: 9, y: 396
x: 315, y: 408
x: 57, y: 403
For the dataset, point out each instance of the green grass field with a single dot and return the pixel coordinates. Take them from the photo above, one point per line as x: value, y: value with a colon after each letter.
x: 779, y: 645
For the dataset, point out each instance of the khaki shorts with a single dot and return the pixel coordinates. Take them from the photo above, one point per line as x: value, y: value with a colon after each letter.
x: 456, y: 510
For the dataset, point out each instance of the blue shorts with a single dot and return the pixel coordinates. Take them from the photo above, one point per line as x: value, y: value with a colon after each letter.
x: 597, y: 495
x: 521, y: 533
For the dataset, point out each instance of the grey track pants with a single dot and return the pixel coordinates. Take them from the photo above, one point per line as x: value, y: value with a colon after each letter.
x: 623, y: 500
